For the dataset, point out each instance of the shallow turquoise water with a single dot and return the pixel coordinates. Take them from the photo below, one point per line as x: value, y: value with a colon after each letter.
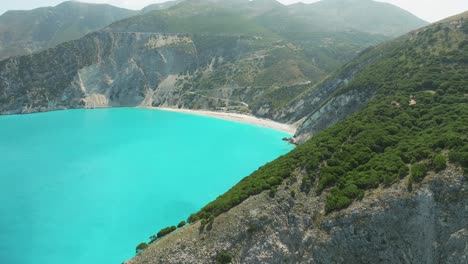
x: 86, y: 186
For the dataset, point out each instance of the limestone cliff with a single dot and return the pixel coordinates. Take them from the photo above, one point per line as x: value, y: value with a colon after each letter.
x: 390, y: 225
x: 111, y: 68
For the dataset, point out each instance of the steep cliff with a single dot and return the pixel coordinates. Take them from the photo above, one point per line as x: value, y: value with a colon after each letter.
x: 111, y: 68
x: 390, y: 225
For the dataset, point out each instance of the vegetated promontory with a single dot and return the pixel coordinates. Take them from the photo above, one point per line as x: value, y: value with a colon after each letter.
x: 385, y: 181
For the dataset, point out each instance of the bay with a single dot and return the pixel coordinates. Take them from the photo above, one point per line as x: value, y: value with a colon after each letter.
x: 86, y: 186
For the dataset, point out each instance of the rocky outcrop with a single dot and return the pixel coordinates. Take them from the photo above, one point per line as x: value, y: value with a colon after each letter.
x: 328, y: 102
x: 390, y: 225
x: 331, y: 112
x: 109, y: 68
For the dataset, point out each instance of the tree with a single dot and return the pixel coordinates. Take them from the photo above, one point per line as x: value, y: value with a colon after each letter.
x: 142, y: 246
x: 181, y: 224
x: 223, y: 257
x: 439, y: 162
x: 418, y: 171
x: 165, y: 231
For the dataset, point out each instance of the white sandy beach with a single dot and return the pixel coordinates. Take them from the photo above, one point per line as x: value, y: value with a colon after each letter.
x: 248, y: 119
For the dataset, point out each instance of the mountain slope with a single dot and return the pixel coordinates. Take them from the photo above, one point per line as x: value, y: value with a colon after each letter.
x: 160, y: 6
x: 361, y: 15
x: 398, y: 162
x: 206, y: 54
x: 338, y: 27
x: 23, y: 32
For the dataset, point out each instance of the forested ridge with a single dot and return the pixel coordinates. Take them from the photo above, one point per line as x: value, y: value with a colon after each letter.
x: 416, y: 122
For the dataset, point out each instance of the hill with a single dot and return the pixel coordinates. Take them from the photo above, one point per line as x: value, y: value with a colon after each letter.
x: 23, y: 32
x: 160, y: 6
x: 355, y: 15
x: 389, y: 140
x: 208, y: 54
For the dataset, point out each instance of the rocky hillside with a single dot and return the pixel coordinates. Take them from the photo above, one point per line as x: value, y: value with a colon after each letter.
x: 390, y: 225
x: 24, y: 32
x: 220, y: 55
x: 439, y: 50
x: 383, y: 179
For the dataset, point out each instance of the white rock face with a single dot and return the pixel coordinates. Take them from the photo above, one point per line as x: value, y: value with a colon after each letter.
x: 390, y: 225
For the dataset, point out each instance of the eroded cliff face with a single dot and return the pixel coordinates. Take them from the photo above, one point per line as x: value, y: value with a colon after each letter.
x: 114, y: 69
x: 390, y: 225
x: 110, y: 68
x: 325, y: 104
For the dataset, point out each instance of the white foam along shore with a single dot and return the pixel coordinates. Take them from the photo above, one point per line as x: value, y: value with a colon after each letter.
x: 248, y: 119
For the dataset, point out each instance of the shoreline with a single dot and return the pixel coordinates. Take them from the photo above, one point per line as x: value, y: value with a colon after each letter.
x: 241, y: 118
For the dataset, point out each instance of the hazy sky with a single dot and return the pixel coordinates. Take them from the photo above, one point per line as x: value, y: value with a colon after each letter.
x: 429, y: 10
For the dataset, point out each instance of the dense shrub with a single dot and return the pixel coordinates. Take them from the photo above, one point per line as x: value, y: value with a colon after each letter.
x: 293, y: 193
x: 459, y: 155
x: 223, y: 257
x: 165, y: 231
x: 337, y: 200
x: 142, y: 246
x: 272, y: 192
x: 181, y: 224
x: 439, y: 162
x: 418, y: 171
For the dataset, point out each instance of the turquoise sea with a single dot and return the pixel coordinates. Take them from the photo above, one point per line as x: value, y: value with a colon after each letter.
x: 86, y: 186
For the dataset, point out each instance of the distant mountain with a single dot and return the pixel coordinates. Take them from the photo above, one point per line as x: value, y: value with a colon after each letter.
x: 223, y: 17
x: 347, y: 15
x: 213, y: 54
x: 23, y: 32
x: 160, y: 6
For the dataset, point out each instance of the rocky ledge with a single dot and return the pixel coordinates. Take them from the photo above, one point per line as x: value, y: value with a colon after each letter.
x: 425, y: 224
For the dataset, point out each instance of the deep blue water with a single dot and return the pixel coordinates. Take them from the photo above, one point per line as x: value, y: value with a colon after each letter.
x: 86, y: 186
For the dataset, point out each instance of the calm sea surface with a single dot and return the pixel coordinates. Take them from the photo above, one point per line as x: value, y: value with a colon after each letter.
x: 86, y: 186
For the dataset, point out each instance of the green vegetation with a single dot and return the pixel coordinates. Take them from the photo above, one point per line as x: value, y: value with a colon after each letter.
x: 223, y: 257
x: 21, y: 31
x: 181, y: 224
x: 418, y: 109
x: 166, y: 231
x: 142, y: 246
x: 362, y: 16
x: 163, y: 232
x: 460, y: 155
x: 439, y: 162
x: 272, y: 192
x: 293, y: 193
x: 253, y: 228
x: 418, y: 171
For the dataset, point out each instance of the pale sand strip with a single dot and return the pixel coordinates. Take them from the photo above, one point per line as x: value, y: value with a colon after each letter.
x: 248, y: 119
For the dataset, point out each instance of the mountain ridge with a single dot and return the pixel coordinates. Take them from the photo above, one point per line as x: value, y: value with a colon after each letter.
x: 26, y: 31
x: 396, y: 163
x: 231, y: 62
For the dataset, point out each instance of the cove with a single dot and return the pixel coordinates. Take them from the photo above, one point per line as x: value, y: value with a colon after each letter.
x: 86, y: 186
